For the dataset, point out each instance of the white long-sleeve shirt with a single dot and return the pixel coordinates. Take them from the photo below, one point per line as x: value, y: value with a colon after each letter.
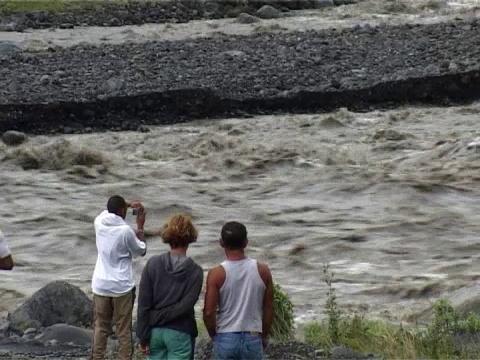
x: 117, y: 245
x: 4, y: 250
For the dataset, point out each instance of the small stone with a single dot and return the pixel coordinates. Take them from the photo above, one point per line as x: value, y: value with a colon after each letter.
x: 45, y: 79
x: 29, y: 331
x: 67, y: 130
x: 66, y: 26
x: 115, y: 22
x: 319, y: 353
x: 143, y: 129
x: 319, y: 4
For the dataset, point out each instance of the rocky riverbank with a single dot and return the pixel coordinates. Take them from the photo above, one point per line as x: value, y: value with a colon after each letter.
x: 88, y: 88
x: 135, y: 12
x: 47, y: 326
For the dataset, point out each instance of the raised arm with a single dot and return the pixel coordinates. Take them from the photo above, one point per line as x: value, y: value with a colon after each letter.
x: 137, y: 245
x: 6, y: 260
x: 6, y: 263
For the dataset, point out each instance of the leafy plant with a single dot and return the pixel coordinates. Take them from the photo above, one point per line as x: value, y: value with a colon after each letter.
x: 283, y: 321
x: 332, y: 307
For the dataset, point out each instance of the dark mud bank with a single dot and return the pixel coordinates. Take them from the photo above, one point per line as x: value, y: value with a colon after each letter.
x: 168, y: 107
x: 121, y: 87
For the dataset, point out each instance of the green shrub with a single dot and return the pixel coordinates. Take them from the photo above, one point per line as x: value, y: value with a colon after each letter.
x: 447, y: 336
x: 282, y: 327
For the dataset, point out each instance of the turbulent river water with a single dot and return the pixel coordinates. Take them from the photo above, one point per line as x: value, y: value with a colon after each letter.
x: 390, y: 200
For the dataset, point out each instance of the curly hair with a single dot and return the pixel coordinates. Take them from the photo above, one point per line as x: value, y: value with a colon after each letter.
x: 179, y: 231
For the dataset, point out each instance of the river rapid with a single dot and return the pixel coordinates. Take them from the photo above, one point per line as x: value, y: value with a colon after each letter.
x: 390, y: 200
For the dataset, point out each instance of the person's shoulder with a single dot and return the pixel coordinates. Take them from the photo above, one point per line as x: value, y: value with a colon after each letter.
x: 216, y: 272
x: 262, y: 266
x: 264, y: 271
x: 156, y: 259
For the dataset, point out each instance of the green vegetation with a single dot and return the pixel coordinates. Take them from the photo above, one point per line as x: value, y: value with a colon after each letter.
x: 282, y: 327
x: 8, y: 7
x: 447, y: 336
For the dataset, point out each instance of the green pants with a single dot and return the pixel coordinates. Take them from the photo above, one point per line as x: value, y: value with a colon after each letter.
x: 168, y: 344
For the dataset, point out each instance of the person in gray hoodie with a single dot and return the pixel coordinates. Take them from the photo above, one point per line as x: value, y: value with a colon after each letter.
x: 169, y: 289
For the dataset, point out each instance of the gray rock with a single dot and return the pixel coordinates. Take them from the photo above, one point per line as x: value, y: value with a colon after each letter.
x: 66, y: 334
x: 268, y: 12
x: 245, y: 18
x: 8, y: 48
x: 232, y: 54
x: 57, y: 302
x: 45, y: 79
x: 342, y: 352
x: 66, y: 26
x: 319, y: 4
x: 13, y: 138
x: 114, y: 84
x: 5, y: 327
x: 29, y: 331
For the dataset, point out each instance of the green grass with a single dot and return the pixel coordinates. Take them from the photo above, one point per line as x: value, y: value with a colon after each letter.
x: 8, y: 7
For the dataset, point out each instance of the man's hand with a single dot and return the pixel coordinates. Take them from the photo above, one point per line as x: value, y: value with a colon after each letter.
x: 144, y: 349
x: 141, y: 216
x: 265, y: 342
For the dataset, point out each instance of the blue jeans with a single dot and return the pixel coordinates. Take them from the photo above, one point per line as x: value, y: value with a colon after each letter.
x: 238, y: 346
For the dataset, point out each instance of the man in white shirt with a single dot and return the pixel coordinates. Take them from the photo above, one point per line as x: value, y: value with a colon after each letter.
x: 6, y: 261
x: 113, y: 284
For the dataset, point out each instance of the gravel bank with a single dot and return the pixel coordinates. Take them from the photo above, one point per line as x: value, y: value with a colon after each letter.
x: 170, y: 81
x: 135, y: 12
x: 292, y: 350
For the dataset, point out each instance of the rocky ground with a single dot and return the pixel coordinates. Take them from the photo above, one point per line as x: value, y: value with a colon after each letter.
x: 135, y: 12
x: 47, y: 326
x: 266, y: 72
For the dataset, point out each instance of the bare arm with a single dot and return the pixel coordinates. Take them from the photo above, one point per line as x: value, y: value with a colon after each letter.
x: 268, y: 301
x: 6, y: 263
x: 215, y: 280
x: 140, y: 220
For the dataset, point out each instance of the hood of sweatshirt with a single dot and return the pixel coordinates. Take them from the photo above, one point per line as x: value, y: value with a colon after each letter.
x: 108, y: 219
x: 178, y: 266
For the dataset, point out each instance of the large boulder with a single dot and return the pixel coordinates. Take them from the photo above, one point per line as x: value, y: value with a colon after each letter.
x: 57, y: 302
x: 67, y: 334
x: 268, y: 12
x: 8, y: 48
x: 13, y: 137
x: 245, y: 18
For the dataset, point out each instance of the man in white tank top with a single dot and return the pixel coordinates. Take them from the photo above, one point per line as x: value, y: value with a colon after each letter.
x: 238, y: 310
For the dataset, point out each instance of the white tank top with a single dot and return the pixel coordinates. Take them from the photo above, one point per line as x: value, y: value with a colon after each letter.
x: 241, y: 297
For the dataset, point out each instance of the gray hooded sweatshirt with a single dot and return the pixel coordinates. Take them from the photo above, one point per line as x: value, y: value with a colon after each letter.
x: 168, y: 291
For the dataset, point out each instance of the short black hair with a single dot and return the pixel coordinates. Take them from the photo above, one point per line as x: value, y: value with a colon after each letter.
x: 234, y: 235
x: 115, y: 204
